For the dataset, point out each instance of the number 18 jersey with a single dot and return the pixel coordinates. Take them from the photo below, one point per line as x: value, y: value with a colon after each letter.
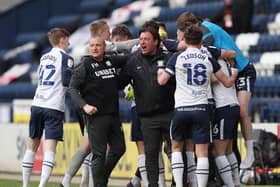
x: 53, y: 78
x: 192, y: 70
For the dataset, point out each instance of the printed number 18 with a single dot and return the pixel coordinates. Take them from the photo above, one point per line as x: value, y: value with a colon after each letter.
x: 196, y: 74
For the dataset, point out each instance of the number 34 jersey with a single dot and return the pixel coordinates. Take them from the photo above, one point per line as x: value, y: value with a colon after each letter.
x: 54, y: 76
x: 192, y: 70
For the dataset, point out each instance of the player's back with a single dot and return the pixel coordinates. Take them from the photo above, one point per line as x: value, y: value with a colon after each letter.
x: 50, y: 92
x: 193, y: 70
x: 224, y: 96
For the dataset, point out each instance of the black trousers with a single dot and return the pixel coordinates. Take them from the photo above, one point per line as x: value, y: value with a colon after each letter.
x: 107, y: 144
x: 154, y: 128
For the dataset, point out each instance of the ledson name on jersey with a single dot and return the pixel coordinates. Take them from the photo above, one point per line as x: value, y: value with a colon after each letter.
x: 49, y: 57
x: 194, y: 55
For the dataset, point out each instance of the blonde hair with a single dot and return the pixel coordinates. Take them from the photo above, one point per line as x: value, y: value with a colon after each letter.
x: 97, y: 26
x: 55, y: 34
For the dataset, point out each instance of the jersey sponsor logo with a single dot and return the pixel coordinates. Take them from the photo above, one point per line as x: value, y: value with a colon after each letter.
x: 39, y: 96
x: 199, y: 93
x: 106, y: 73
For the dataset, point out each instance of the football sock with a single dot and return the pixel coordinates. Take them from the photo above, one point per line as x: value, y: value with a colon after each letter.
x: 202, y: 171
x: 234, y: 168
x: 177, y: 166
x: 142, y: 168
x: 48, y: 165
x: 74, y: 165
x: 191, y: 168
x: 249, y: 158
x: 85, y: 172
x: 224, y: 170
x: 27, y: 165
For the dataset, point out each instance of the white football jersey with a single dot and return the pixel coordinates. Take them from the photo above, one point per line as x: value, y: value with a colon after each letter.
x: 224, y: 96
x: 192, y: 70
x: 50, y: 92
x: 204, y: 50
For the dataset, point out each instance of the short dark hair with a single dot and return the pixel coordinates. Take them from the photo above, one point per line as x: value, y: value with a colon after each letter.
x: 152, y: 24
x: 186, y: 19
x: 193, y: 35
x: 161, y: 24
x: 153, y: 31
x: 121, y: 30
x: 55, y: 34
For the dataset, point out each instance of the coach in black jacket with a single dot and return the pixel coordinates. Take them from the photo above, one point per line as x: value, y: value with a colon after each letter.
x: 154, y: 103
x: 94, y: 86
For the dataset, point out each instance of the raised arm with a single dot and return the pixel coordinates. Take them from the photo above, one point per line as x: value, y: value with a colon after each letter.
x: 224, y: 79
x: 162, y: 76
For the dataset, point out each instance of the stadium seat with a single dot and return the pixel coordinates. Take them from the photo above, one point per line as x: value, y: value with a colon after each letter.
x: 23, y: 38
x: 63, y: 20
x: 90, y: 6
x: 17, y: 90
x: 262, y: 7
x: 2, y: 54
x: 23, y: 57
x: 265, y: 43
x: 255, y: 57
x: 161, y: 3
x: 120, y: 3
x: 277, y: 69
x: 260, y: 22
x: 171, y: 29
x: 88, y: 18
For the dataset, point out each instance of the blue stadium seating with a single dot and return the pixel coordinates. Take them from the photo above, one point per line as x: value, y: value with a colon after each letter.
x: 204, y: 10
x: 266, y: 42
x: 50, y: 13
x: 259, y: 22
x: 17, y: 90
x: 2, y: 54
x: 88, y: 18
x: 62, y: 21
x: 171, y: 29
x: 23, y: 57
x: 23, y: 38
x: 120, y: 3
x: 255, y: 57
x: 90, y: 6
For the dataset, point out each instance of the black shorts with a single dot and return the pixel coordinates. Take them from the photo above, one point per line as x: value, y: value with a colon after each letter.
x: 191, y: 122
x: 135, y: 132
x: 246, y: 79
x: 225, y: 122
x: 46, y: 119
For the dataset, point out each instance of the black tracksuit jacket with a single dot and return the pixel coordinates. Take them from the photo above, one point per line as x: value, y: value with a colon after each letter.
x: 150, y: 97
x: 96, y: 83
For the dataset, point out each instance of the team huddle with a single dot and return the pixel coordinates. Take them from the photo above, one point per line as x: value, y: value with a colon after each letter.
x: 188, y: 95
